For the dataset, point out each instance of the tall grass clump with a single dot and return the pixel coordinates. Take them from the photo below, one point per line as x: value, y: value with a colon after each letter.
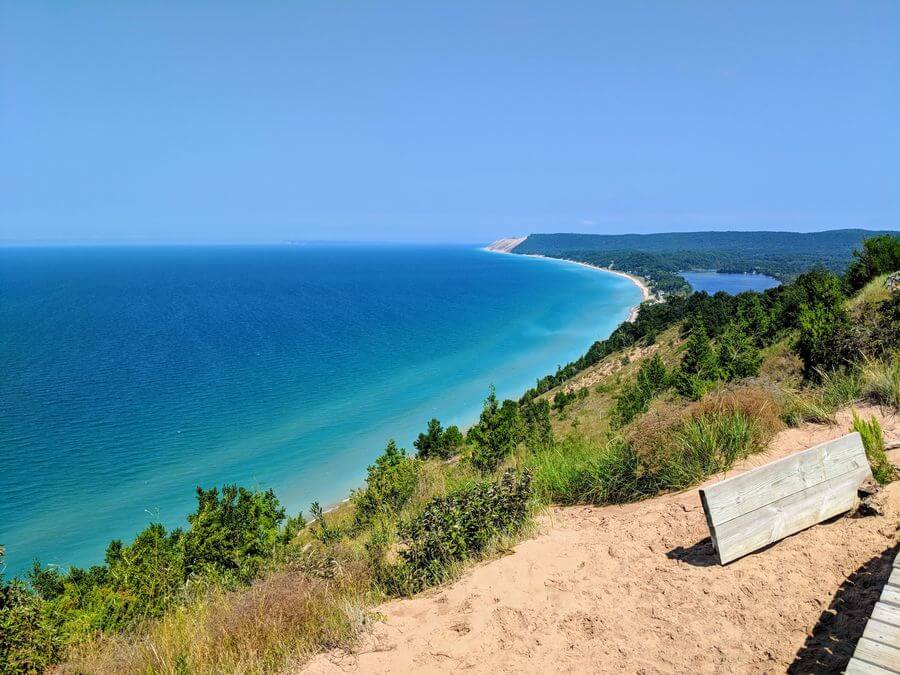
x: 580, y: 471
x: 678, y: 447
x: 670, y: 447
x: 873, y: 441
x: 881, y: 381
x: 818, y: 404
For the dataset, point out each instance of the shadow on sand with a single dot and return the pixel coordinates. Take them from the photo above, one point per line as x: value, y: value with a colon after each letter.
x: 701, y: 554
x: 840, y: 626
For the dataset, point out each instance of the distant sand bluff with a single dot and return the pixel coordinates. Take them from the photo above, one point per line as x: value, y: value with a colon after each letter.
x: 505, y: 245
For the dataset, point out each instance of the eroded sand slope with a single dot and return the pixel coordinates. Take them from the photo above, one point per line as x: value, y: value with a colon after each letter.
x: 637, y: 589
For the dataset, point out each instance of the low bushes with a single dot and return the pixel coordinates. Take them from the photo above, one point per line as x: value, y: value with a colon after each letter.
x: 458, y: 526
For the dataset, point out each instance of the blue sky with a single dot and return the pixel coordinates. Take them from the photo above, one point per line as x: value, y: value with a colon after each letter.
x: 444, y: 121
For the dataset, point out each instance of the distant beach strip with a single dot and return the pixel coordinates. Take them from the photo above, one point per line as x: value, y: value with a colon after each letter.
x: 508, y: 245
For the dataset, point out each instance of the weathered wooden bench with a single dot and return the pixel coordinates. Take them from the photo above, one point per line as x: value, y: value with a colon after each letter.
x: 878, y: 650
x: 754, y: 509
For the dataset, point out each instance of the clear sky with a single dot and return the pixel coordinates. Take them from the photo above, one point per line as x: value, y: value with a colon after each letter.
x: 267, y: 120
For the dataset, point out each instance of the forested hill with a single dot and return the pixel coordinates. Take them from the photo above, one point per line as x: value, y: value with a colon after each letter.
x: 659, y: 257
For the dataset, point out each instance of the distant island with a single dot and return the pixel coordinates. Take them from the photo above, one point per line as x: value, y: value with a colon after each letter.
x: 658, y: 258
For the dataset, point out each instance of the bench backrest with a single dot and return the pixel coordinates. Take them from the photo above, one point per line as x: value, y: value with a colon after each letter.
x: 754, y: 509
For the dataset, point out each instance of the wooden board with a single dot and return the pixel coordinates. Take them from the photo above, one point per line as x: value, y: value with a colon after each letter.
x: 754, y: 509
x: 891, y: 596
x: 878, y: 654
x: 857, y: 667
x: 878, y: 650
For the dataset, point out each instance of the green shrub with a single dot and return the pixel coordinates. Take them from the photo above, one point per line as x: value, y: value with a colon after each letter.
x: 879, y: 255
x: 232, y: 531
x: 884, y: 336
x: 30, y: 641
x: 391, y: 481
x: 458, y: 526
x: 873, y: 440
x: 437, y: 442
x: 699, y: 368
x: 822, y: 341
x: 634, y: 398
x: 738, y: 356
x: 536, y: 418
x: 498, y: 431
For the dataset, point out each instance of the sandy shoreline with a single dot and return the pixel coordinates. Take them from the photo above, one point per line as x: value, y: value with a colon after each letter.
x: 646, y: 293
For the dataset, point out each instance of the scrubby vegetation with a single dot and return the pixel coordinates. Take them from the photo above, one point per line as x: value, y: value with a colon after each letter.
x: 694, y: 385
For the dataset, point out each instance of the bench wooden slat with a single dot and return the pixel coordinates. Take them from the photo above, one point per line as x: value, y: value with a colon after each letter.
x: 754, y: 509
x: 746, y: 492
x: 882, y: 632
x: 793, y: 513
x: 877, y: 653
x: 857, y: 667
x: 886, y: 614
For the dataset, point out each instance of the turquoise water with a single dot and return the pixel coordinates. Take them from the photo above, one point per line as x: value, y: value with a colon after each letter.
x: 132, y: 375
x: 713, y: 282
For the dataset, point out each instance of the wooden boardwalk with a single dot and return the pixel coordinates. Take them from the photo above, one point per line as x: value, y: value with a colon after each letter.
x: 878, y: 650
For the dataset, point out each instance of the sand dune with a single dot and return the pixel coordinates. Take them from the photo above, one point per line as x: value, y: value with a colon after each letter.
x: 637, y: 588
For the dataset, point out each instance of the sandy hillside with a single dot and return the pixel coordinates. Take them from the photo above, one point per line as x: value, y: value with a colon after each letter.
x: 637, y: 589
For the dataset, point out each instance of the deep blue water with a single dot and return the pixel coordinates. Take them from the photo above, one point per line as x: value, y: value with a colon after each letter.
x: 132, y: 375
x: 713, y: 282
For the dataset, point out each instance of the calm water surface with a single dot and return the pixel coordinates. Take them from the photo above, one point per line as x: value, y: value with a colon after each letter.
x: 713, y: 282
x: 132, y: 375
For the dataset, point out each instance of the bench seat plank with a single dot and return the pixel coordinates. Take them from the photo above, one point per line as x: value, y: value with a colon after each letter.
x: 736, y: 496
x: 754, y: 509
x: 756, y: 529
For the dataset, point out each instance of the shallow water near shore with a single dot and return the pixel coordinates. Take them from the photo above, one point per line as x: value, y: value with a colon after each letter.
x: 132, y: 375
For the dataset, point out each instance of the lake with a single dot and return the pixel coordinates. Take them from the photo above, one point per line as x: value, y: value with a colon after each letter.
x: 713, y: 282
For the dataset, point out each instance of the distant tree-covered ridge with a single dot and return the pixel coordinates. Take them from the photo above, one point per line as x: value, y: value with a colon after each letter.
x: 659, y: 257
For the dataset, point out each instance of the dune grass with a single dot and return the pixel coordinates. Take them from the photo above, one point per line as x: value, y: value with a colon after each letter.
x: 671, y: 447
x: 881, y: 381
x: 873, y: 440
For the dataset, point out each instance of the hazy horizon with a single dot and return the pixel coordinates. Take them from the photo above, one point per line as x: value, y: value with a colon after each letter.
x: 234, y: 122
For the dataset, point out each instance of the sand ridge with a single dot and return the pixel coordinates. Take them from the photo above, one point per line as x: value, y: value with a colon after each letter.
x: 637, y: 588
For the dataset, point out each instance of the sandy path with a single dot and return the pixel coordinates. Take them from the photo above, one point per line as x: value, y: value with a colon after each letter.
x: 636, y: 589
